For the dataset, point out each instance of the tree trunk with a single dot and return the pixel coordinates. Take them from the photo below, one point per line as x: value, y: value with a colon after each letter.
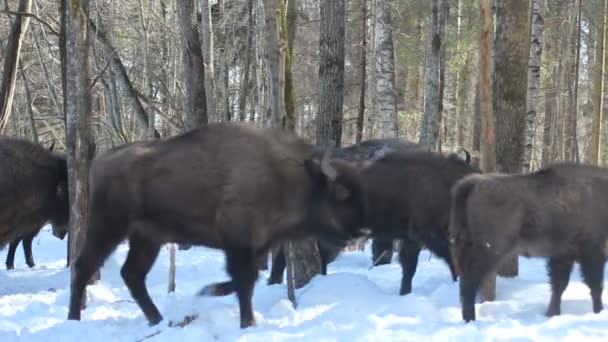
x: 433, y: 99
x: 571, y: 78
x: 331, y: 73
x: 487, y: 161
x: 275, y: 61
x: 593, y: 150
x: 536, y: 49
x: 11, y: 62
x: 244, y: 86
x: 362, y: 86
x: 77, y: 108
x: 193, y: 66
x: 512, y: 39
x: 550, y: 120
x: 207, y: 33
x: 146, y: 66
x: 288, y: 33
x: 384, y: 57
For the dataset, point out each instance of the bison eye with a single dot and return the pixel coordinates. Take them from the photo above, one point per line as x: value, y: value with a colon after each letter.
x: 341, y: 192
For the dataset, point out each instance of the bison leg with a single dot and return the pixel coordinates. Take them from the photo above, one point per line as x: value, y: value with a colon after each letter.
x: 592, y: 267
x: 95, y: 251
x: 27, y: 249
x: 242, y: 267
x: 559, y: 275
x: 408, y: 257
x: 141, y: 257
x: 278, y: 266
x: 469, y: 285
x: 10, y: 256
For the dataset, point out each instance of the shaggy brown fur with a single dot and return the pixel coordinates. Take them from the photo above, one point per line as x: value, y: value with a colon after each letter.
x: 33, y: 191
x: 560, y: 213
x: 224, y: 186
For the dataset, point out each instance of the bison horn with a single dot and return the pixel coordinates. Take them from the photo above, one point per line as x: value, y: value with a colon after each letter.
x: 52, y: 146
x: 467, y: 159
x: 326, y: 166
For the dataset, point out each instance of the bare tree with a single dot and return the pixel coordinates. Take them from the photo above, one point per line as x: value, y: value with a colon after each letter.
x: 487, y: 160
x: 193, y: 66
x: 512, y: 39
x: 276, y: 62
x: 11, y: 61
x: 77, y: 109
x: 384, y: 57
x: 593, y: 150
x: 207, y: 35
x: 433, y: 100
x: 331, y: 73
x: 536, y: 50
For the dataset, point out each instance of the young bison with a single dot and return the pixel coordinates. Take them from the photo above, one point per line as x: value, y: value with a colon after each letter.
x: 33, y: 191
x: 225, y: 186
x: 560, y: 212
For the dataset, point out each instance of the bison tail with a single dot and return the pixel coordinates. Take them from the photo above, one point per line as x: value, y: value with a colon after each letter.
x: 459, y: 233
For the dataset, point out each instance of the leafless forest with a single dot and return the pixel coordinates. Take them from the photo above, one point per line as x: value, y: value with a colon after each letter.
x: 519, y: 83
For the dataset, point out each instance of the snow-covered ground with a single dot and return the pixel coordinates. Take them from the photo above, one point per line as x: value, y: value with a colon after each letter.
x: 352, y: 303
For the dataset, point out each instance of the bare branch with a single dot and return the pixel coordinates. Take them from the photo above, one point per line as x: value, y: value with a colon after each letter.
x: 33, y: 16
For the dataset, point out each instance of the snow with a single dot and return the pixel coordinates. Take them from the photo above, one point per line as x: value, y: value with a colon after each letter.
x: 351, y: 303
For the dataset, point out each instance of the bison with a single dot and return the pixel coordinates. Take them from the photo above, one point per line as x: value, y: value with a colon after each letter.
x: 365, y: 151
x: 408, y: 196
x: 225, y: 186
x: 409, y: 199
x: 33, y: 191
x: 559, y: 212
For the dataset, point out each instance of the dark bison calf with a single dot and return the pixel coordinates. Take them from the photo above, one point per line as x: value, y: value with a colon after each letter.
x: 33, y: 191
x: 409, y: 199
x: 224, y: 186
x: 560, y: 212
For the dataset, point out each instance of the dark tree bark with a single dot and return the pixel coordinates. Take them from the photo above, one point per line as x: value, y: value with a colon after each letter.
x: 193, y: 66
x: 487, y: 161
x: 77, y: 108
x: 244, y: 87
x: 510, y: 86
x: 11, y: 62
x: 331, y: 73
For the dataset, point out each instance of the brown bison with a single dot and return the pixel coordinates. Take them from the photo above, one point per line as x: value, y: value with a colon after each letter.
x: 408, y: 197
x: 408, y: 194
x: 560, y: 212
x: 365, y: 151
x: 33, y: 191
x: 224, y: 186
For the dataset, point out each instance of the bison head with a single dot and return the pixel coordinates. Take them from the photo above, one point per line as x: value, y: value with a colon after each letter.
x: 338, y: 205
x: 60, y: 217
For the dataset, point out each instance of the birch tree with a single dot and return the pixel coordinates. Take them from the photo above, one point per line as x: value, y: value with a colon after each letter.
x: 384, y: 63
